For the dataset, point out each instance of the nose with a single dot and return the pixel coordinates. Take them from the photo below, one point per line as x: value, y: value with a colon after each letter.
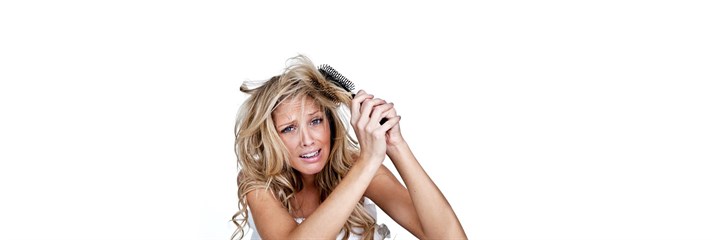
x: 307, y: 139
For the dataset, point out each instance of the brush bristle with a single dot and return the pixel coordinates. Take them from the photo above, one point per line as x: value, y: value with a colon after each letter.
x: 335, y: 77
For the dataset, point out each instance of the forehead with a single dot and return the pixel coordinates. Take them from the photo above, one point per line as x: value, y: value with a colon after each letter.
x: 296, y: 105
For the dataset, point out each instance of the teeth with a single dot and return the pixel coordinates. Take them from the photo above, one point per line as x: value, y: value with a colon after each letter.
x: 312, y: 154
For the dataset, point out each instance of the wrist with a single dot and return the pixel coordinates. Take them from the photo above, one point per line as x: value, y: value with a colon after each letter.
x: 369, y: 160
x: 397, y: 147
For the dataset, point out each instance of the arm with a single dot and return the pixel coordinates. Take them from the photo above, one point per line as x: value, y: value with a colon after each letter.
x: 436, y: 216
x: 425, y: 213
x: 273, y: 221
x: 421, y: 208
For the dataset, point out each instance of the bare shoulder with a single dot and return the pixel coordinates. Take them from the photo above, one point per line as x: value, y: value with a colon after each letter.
x: 272, y: 220
x: 262, y: 202
x: 260, y: 195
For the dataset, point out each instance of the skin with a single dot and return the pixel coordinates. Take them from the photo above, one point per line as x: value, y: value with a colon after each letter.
x: 420, y: 208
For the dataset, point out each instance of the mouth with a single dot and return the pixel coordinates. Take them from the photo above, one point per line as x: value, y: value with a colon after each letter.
x: 311, y: 157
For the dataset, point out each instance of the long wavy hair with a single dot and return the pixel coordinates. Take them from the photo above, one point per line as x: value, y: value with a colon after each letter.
x: 263, y: 159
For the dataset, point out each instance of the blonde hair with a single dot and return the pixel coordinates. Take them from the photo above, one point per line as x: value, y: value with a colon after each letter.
x: 262, y: 157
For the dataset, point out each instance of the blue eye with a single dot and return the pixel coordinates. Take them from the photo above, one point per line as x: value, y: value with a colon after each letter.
x: 316, y: 121
x: 287, y: 129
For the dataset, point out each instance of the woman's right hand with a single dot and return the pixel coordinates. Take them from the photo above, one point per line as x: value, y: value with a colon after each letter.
x: 366, y: 113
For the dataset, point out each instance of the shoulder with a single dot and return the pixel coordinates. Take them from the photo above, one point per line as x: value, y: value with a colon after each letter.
x: 267, y: 210
x: 262, y: 199
x: 260, y: 196
x: 247, y: 184
x: 271, y: 219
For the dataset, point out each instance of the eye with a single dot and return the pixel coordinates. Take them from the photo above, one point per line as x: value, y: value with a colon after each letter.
x: 288, y: 129
x: 316, y: 121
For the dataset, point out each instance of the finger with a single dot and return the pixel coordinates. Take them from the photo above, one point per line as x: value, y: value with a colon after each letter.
x: 390, y: 123
x: 381, y: 111
x: 367, y: 107
x: 392, y: 112
x: 360, y: 97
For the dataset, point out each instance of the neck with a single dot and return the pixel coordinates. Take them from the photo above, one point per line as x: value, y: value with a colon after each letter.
x: 308, y: 181
x: 306, y: 200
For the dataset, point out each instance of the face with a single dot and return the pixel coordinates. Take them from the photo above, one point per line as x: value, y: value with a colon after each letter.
x: 305, y: 131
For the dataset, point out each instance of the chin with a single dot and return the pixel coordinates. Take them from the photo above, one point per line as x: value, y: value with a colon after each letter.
x: 310, y: 169
x: 310, y: 172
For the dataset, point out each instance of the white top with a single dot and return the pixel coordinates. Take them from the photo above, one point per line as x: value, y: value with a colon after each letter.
x: 381, y: 231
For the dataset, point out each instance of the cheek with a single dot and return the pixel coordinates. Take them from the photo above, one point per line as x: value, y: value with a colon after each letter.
x: 290, y: 141
x: 323, y: 134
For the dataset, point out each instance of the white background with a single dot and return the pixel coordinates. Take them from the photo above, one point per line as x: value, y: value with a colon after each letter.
x: 537, y: 119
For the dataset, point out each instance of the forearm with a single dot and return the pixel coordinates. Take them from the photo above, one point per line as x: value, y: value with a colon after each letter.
x: 327, y: 220
x: 432, y: 207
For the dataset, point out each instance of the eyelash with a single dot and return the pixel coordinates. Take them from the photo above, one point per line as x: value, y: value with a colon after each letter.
x: 315, y: 121
x: 287, y: 129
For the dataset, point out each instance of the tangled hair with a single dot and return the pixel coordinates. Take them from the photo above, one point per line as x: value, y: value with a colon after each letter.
x: 262, y: 158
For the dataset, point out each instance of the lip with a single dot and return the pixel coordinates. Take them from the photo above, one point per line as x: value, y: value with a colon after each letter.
x: 314, y: 159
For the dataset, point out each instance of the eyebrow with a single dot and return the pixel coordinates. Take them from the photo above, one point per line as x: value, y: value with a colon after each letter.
x: 281, y: 126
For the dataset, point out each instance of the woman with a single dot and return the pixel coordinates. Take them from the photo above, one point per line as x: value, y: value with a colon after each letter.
x: 303, y: 176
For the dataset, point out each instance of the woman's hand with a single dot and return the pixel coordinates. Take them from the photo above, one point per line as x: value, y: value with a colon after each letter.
x: 393, y: 137
x: 366, y: 113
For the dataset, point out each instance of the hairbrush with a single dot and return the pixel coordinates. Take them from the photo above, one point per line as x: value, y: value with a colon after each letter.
x: 338, y: 79
x: 341, y: 81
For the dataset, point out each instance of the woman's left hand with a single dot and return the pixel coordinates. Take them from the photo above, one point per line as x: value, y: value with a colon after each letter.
x: 393, y: 137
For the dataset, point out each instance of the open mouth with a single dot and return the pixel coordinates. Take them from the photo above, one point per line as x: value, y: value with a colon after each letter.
x: 311, y: 156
